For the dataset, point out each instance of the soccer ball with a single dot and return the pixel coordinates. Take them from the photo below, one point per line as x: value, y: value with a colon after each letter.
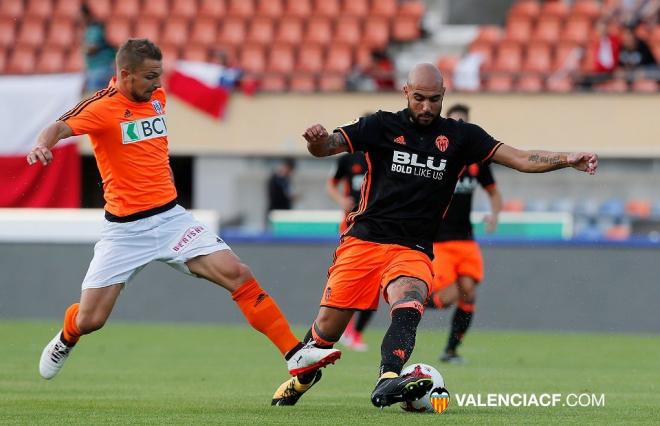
x: 424, y: 404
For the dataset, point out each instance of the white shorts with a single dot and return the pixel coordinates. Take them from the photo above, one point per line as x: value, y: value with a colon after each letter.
x: 173, y: 237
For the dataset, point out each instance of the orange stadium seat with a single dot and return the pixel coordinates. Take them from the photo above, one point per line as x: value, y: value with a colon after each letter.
x: 405, y: 28
x: 50, y: 61
x: 538, y: 58
x: 117, y: 31
x: 74, y: 61
x: 212, y: 8
x: 577, y: 30
x: 39, y: 9
x: 486, y: 51
x: 242, y: 8
x: 290, y: 30
x: 298, y: 8
x: 376, y: 32
x: 67, y: 9
x: 447, y: 64
x: 557, y: 9
x: 563, y: 51
x: 527, y: 8
x: 7, y: 32
x: 310, y: 59
x: 181, y: 8
x: 274, y: 83
x: 31, y: 32
x: 21, y: 61
x: 3, y: 60
x: 347, y: 30
x: 11, y: 9
x: 547, y: 30
x: 281, y: 59
x: 645, y: 86
x: 175, y: 31
x: 318, y: 30
x: 327, y: 8
x: 530, y: 83
x: 303, y: 83
x: 559, y: 84
x: 412, y: 8
x: 270, y: 8
x: 339, y: 59
x: 332, y: 83
x: 489, y: 34
x: 101, y: 9
x: 233, y: 31
x: 126, y: 9
x: 386, y: 8
x: 362, y: 56
x: 253, y: 58
x: 261, y: 30
x: 508, y: 57
x: 204, y: 31
x: 590, y: 9
x: 499, y: 83
x: 147, y: 27
x: 518, y: 28
x: 513, y: 205
x: 61, y: 32
x: 170, y: 56
x: 359, y: 8
x: 159, y: 9
x: 639, y: 208
x: 195, y: 52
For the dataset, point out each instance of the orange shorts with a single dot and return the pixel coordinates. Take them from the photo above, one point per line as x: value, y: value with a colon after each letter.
x: 362, y: 269
x: 456, y: 258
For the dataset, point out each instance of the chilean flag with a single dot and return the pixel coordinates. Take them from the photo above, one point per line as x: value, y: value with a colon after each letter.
x: 203, y: 85
x: 27, y: 105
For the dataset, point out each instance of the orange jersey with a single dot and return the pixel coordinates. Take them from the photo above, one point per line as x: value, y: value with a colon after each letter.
x: 129, y: 140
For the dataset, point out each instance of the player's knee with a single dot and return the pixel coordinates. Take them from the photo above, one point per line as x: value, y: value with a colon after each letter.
x: 233, y: 274
x: 468, y: 294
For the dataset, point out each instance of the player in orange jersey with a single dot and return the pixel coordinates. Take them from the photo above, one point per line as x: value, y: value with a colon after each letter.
x: 127, y: 125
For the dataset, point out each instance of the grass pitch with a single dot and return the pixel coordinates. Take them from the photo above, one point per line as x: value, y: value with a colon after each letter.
x: 131, y: 373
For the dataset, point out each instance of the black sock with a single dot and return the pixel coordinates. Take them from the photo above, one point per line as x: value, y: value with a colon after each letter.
x: 459, y: 326
x: 399, y: 341
x: 293, y: 351
x: 362, y: 320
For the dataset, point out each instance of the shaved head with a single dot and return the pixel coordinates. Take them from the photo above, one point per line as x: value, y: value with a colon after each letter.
x: 424, y: 91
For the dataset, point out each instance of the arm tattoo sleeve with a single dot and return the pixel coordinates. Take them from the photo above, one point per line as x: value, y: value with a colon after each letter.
x: 336, y: 143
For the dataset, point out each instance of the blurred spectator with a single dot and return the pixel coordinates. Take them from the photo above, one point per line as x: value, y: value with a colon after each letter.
x: 632, y: 12
x: 99, y: 54
x: 606, y: 49
x: 231, y: 73
x: 634, y: 53
x: 378, y: 75
x: 280, y: 194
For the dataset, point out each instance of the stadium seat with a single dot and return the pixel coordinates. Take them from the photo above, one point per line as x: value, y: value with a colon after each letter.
x: 563, y: 52
x: 327, y: 8
x: 261, y: 30
x: 347, y: 30
x: 412, y: 8
x: 613, y: 86
x: 547, y: 30
x: 576, y: 30
x: 61, y: 32
x: 12, y: 9
x: 3, y: 60
x: 204, y: 31
x: 69, y: 9
x: 613, y: 208
x: 489, y: 34
x: 339, y: 59
x: 21, y: 61
x: 518, y: 28
x: 332, y: 83
x: 7, y: 32
x: 538, y: 58
x: 513, y: 205
x: 253, y: 59
x: 446, y: 64
x: 212, y: 8
x: 557, y: 9
x: 499, y: 83
x: 38, y: 9
x: 310, y: 59
x: 233, y: 32
x: 50, y: 61
x: 170, y: 56
x: 241, y: 8
x: 638, y: 208
x: 405, y: 29
x: 359, y: 8
x: 181, y: 8
x: 147, y: 27
x: 100, y: 9
x: 31, y: 32
x: 376, y: 32
x: 175, y: 31
x: 281, y: 59
x: 195, y: 52
x: 270, y: 9
x: 273, y: 83
x: 559, y: 84
x: 298, y: 8
x: 530, y: 83
x: 303, y: 83
x: 529, y: 9
x: 74, y: 61
x: 318, y: 30
x: 590, y: 9
x: 289, y: 30
x: 384, y: 8
x: 508, y: 57
x: 645, y: 86
x: 159, y: 9
x: 485, y: 49
x: 127, y: 9
x: 117, y: 31
x: 362, y: 56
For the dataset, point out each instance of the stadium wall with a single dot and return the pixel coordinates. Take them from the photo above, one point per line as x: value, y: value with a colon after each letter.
x: 568, y: 288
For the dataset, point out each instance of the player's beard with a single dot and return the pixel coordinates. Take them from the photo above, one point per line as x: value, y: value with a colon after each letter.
x: 144, y: 97
x: 415, y: 118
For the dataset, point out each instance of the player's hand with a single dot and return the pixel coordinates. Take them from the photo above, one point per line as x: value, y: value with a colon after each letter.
x: 347, y: 204
x: 316, y: 134
x: 583, y: 161
x: 491, y: 223
x: 40, y: 154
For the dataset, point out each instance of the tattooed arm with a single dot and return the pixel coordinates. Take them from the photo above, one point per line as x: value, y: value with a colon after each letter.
x: 322, y: 144
x: 545, y: 161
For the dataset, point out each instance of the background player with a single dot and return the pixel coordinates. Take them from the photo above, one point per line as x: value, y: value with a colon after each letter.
x: 127, y: 126
x: 457, y: 264
x: 415, y: 158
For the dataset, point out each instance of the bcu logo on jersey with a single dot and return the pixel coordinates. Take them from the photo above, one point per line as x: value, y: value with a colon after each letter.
x: 416, y: 165
x: 144, y: 129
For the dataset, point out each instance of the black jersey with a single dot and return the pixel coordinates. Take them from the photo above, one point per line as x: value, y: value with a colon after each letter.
x: 412, y: 171
x: 350, y: 169
x: 456, y: 224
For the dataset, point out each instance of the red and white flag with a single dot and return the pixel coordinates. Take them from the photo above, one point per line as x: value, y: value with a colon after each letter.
x: 200, y: 85
x: 27, y: 105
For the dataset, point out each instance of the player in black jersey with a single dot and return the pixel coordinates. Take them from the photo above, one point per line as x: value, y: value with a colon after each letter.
x: 414, y: 158
x: 458, y: 265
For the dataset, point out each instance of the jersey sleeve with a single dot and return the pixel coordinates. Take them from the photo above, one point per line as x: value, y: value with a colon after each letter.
x: 479, y: 145
x: 85, y: 118
x: 361, y: 133
x: 485, y: 176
